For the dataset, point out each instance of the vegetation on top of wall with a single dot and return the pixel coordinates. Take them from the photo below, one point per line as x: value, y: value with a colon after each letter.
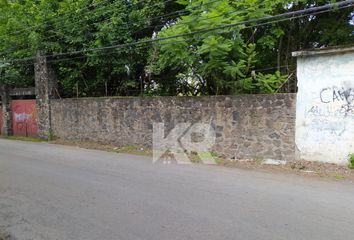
x: 243, y: 59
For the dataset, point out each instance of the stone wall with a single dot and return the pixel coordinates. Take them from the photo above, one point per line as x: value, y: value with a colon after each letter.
x: 248, y: 126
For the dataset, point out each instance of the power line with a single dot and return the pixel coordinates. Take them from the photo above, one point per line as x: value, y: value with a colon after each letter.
x: 253, y: 69
x: 98, y: 53
x: 292, y: 14
x: 56, y: 17
x: 73, y: 23
x: 203, y: 19
x: 78, y: 15
x: 157, y: 42
x: 206, y: 18
x: 129, y: 25
x: 87, y: 7
x: 159, y: 25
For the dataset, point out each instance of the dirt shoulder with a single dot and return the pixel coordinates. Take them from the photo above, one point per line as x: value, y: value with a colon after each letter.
x: 303, y: 168
x: 128, y: 149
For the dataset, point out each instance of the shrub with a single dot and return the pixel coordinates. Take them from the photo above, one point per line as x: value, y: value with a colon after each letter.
x: 351, y: 161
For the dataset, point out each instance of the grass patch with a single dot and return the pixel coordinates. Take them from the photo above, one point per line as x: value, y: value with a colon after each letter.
x: 27, y: 139
x: 132, y: 149
x: 339, y: 176
x: 201, y: 157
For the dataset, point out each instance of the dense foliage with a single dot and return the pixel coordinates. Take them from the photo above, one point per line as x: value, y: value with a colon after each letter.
x: 243, y: 59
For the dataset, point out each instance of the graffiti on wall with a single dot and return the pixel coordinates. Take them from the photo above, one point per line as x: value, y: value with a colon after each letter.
x: 341, y: 95
x: 334, y: 102
x: 325, y: 115
x: 23, y: 116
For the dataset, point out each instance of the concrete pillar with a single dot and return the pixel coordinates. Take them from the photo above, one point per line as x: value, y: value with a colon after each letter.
x: 6, y: 129
x: 46, y: 89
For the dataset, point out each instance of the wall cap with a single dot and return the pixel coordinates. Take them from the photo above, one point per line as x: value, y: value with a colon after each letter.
x: 322, y: 51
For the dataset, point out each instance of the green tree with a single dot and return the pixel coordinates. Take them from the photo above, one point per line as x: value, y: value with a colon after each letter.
x: 55, y: 27
x: 275, y: 42
x: 244, y: 59
x: 215, y: 62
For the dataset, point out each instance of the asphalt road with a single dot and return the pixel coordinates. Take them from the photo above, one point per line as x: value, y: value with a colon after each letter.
x: 59, y: 192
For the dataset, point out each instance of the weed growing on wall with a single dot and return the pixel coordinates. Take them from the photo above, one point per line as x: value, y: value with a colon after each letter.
x: 51, y: 135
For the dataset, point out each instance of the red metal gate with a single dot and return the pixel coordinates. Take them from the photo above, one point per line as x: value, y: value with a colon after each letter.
x: 24, y: 118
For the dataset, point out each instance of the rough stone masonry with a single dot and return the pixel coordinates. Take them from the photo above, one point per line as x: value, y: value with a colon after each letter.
x: 247, y: 126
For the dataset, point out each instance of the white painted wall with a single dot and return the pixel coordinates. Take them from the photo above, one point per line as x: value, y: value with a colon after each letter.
x: 325, y: 108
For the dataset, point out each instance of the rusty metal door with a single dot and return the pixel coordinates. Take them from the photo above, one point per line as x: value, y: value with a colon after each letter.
x: 24, y: 118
